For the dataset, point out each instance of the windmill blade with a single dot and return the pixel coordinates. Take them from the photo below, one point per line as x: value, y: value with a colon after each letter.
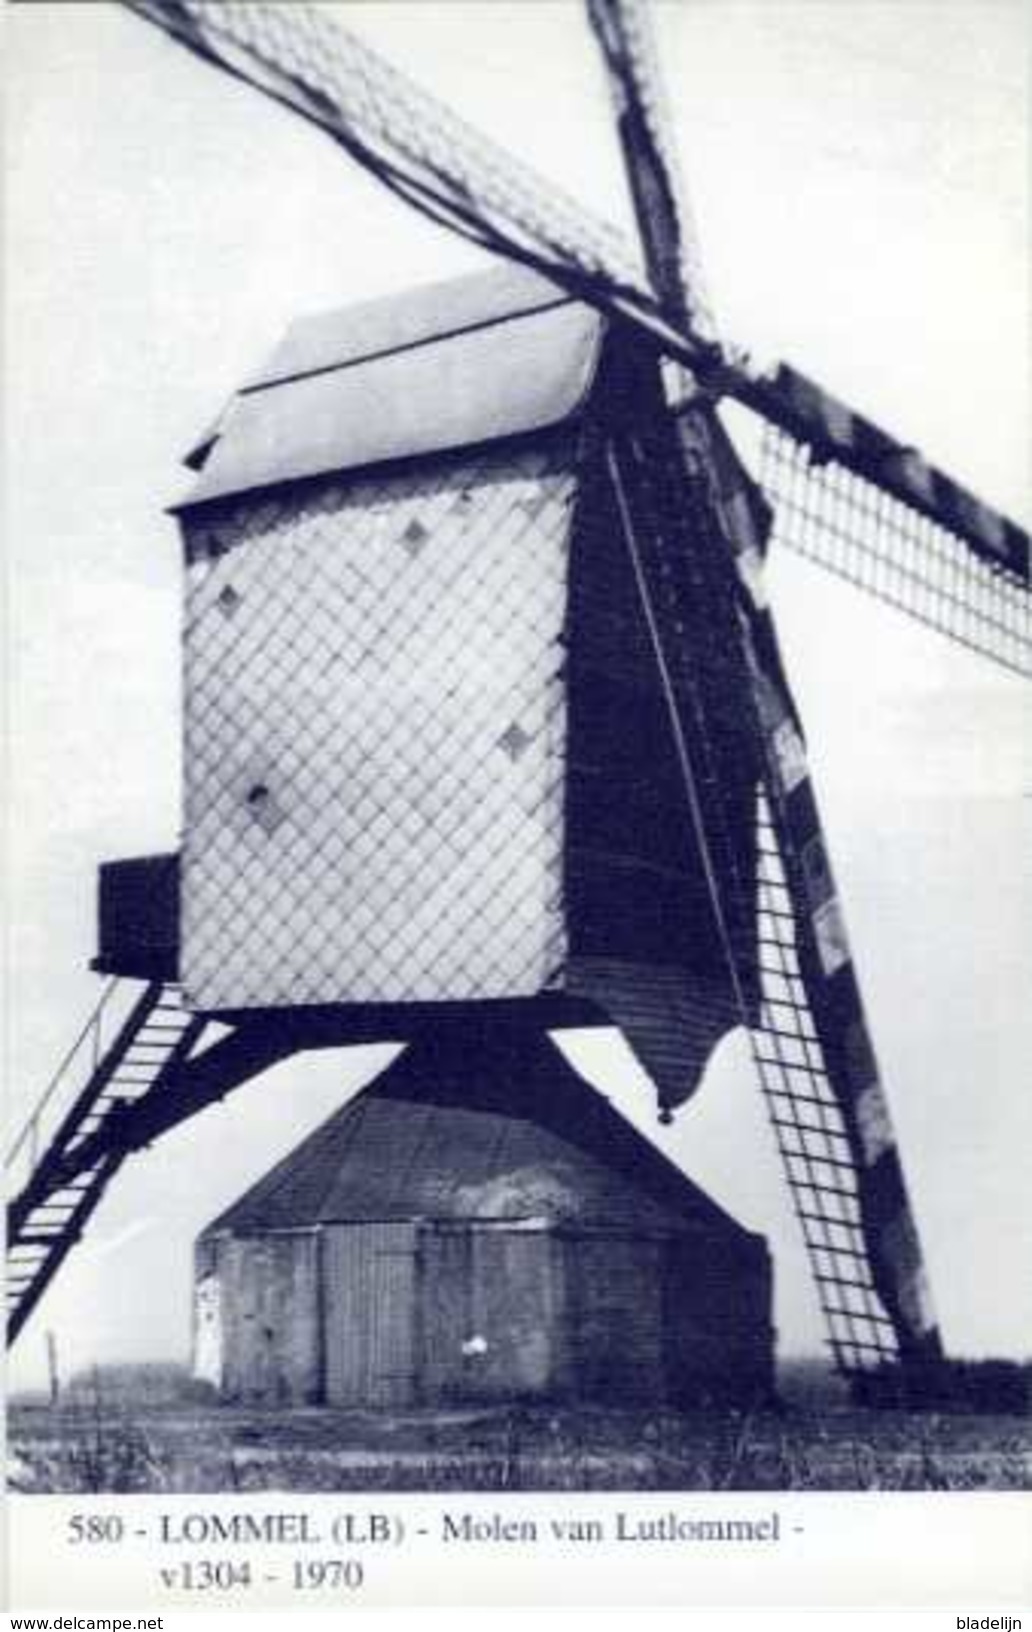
x: 693, y: 524
x: 672, y: 252
x: 822, y: 1159
x: 844, y: 493
x: 441, y: 165
x: 413, y: 143
x: 418, y: 147
x: 948, y: 563
x: 692, y: 531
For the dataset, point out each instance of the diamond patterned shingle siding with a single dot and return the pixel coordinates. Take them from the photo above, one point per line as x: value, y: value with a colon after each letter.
x: 376, y: 737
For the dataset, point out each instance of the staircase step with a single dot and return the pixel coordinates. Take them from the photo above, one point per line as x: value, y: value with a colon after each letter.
x: 95, y: 1087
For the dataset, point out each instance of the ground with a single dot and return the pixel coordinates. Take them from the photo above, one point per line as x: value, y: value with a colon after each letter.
x: 119, y: 1440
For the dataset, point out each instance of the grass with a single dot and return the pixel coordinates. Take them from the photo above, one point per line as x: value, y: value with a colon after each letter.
x: 131, y: 1437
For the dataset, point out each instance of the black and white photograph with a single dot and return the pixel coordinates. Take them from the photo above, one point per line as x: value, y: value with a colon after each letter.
x: 519, y: 629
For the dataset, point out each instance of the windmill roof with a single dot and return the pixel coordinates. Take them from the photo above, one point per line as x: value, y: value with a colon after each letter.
x: 423, y: 1143
x: 439, y: 367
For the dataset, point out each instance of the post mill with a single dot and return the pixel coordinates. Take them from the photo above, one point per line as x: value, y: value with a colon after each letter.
x: 488, y: 734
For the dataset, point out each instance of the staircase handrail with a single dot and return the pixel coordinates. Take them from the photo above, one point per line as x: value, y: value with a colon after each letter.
x: 92, y: 1024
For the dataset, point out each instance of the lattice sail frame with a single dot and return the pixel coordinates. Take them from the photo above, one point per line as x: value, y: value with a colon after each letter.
x: 848, y: 525
x: 300, y: 55
x: 817, y: 1154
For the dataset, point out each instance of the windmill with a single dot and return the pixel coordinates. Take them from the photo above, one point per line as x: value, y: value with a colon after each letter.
x: 929, y: 540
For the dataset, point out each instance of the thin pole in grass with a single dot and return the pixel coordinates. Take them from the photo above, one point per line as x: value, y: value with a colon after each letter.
x: 96, y: 1472
x: 510, y: 1464
x: 53, y: 1372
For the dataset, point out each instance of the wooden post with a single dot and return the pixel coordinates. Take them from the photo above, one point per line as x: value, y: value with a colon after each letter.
x: 52, y: 1369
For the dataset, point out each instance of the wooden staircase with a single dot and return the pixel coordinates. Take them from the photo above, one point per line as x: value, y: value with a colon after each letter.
x: 74, y: 1141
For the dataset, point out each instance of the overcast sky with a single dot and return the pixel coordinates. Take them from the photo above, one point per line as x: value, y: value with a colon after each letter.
x: 858, y: 173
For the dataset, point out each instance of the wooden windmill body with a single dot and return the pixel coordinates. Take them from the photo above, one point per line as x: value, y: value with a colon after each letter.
x: 427, y: 758
x: 431, y: 790
x: 486, y: 726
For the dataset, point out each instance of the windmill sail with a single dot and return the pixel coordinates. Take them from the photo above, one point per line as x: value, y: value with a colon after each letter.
x: 440, y: 164
x: 809, y: 1038
x: 797, y: 992
x: 974, y: 589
